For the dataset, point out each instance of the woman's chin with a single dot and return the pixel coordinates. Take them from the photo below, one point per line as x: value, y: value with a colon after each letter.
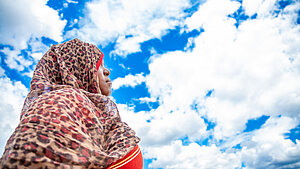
x: 107, y: 93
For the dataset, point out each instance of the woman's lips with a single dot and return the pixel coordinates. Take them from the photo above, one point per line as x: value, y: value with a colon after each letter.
x: 108, y: 82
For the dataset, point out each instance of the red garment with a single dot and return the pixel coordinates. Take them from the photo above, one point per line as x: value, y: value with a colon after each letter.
x: 99, y: 61
x: 133, y: 160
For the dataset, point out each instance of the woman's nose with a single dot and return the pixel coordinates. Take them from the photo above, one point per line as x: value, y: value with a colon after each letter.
x: 106, y: 72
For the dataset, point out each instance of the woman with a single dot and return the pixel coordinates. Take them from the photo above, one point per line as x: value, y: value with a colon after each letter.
x: 67, y: 120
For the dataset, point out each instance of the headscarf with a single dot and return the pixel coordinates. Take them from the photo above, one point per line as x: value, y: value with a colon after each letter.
x: 66, y: 122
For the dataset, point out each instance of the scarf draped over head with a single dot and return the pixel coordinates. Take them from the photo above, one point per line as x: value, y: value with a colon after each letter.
x: 66, y: 122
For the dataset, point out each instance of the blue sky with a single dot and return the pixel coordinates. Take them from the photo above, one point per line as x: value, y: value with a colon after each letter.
x: 205, y: 84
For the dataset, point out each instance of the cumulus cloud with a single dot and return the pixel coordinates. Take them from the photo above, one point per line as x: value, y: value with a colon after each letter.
x: 129, y: 80
x: 147, y: 99
x: 176, y: 155
x: 2, y: 72
x: 248, y: 68
x: 15, y: 60
x: 129, y: 22
x: 259, y: 7
x: 251, y: 70
x: 11, y: 102
x: 159, y: 126
x: 66, y: 4
x: 25, y: 21
x: 135, y: 120
x: 268, y: 148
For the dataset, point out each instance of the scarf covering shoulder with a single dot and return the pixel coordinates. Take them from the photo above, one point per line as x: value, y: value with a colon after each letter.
x: 66, y: 122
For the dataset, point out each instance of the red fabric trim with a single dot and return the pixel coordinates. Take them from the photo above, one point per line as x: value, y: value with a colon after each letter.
x: 99, y: 61
x: 133, y: 160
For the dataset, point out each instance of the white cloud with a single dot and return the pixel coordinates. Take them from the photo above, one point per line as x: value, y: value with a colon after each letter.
x: 2, y: 72
x: 176, y: 155
x: 37, y: 46
x: 147, y: 99
x: 268, y: 148
x: 70, y: 1
x: 123, y: 66
x: 15, y: 60
x: 259, y: 7
x: 129, y: 80
x: 264, y: 148
x: 136, y: 121
x: 11, y: 102
x: 37, y: 56
x: 248, y: 68
x: 66, y: 4
x: 129, y: 22
x: 166, y: 126
x: 160, y: 126
x: 210, y: 12
x: 23, y: 21
x: 251, y: 72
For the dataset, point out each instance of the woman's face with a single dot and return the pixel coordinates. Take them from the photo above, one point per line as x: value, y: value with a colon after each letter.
x: 104, y: 81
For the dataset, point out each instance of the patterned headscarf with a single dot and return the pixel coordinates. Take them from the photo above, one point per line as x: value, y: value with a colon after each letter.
x: 66, y: 122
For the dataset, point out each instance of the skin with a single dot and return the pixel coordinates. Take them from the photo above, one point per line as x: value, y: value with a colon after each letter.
x: 104, y: 80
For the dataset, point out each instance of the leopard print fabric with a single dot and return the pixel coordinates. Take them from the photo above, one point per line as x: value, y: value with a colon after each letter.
x: 66, y: 122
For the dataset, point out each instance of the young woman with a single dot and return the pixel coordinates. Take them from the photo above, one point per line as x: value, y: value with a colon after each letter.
x: 67, y: 120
